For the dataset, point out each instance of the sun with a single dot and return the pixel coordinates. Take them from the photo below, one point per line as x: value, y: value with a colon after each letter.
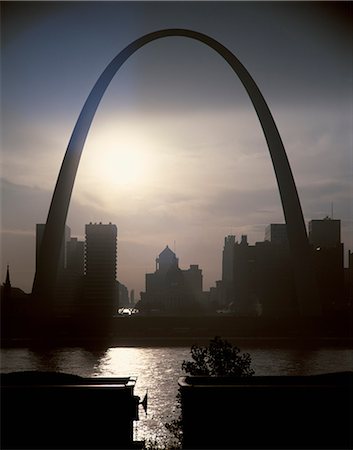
x: 124, y: 166
x: 119, y: 159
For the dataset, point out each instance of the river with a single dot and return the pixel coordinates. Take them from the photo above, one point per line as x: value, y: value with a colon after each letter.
x: 157, y: 370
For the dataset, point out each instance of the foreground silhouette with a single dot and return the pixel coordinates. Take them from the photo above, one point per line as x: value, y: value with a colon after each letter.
x: 47, y: 410
x: 267, y: 412
x: 218, y: 358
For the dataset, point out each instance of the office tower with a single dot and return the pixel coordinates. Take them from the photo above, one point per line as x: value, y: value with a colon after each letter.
x: 75, y: 256
x: 276, y: 233
x: 227, y: 285
x: 68, y: 292
x: 124, y: 300
x: 228, y: 258
x: 325, y: 239
x: 325, y: 233
x: 263, y: 277
x: 244, y: 277
x: 348, y: 282
x: 70, y: 281
x: 171, y: 289
x: 100, y: 266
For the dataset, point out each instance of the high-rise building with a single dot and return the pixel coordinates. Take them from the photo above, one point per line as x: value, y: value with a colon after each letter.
x: 348, y: 282
x: 325, y: 233
x: 70, y: 281
x: 75, y: 256
x: 244, y: 277
x: 325, y: 239
x: 228, y: 258
x: 276, y: 233
x: 263, y: 277
x: 100, y: 266
x: 227, y: 284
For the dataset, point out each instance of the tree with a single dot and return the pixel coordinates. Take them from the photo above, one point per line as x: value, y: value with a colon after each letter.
x: 219, y: 359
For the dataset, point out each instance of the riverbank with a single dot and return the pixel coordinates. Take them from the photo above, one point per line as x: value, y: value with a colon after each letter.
x: 176, y: 331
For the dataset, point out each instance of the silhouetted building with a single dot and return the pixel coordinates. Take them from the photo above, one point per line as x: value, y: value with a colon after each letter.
x: 69, y: 291
x: 227, y: 285
x: 263, y: 276
x: 100, y: 267
x: 325, y: 240
x: 5, y: 299
x: 132, y: 297
x: 275, y: 286
x: 15, y: 306
x: 167, y: 261
x: 221, y: 297
x: 214, y: 298
x: 124, y: 300
x: 170, y: 289
x: 348, y: 282
x: 245, y: 289
x: 276, y: 233
x: 11, y: 295
x: 7, y: 284
x: 325, y: 233
x: 75, y: 256
x: 39, y: 236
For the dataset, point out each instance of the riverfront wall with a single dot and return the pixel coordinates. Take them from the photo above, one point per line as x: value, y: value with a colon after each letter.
x: 270, y: 412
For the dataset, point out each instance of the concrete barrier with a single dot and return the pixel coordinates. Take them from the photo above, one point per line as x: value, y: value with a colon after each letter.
x: 269, y: 412
x: 55, y: 410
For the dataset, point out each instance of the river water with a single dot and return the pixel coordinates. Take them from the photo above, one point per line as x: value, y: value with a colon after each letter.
x: 157, y: 370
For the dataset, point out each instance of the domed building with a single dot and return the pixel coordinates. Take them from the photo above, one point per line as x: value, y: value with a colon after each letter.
x: 170, y: 289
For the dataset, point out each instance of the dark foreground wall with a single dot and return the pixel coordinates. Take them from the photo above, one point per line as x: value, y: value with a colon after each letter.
x: 43, y: 410
x: 308, y: 412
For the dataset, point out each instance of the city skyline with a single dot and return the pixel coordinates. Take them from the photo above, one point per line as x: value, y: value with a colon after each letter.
x: 322, y: 233
x: 208, y: 202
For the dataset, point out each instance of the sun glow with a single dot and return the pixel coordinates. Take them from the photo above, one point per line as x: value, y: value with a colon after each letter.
x: 118, y: 161
x: 124, y: 166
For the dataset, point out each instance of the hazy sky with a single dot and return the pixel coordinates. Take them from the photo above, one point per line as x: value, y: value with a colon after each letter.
x: 175, y: 154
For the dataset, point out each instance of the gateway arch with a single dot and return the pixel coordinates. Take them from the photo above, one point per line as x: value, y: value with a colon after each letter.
x: 47, y: 267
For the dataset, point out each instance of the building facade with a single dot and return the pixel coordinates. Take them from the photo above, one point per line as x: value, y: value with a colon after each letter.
x: 170, y: 289
x: 263, y: 273
x: 328, y: 256
x: 69, y: 291
x: 276, y: 233
x: 227, y: 284
x: 263, y: 282
x: 100, y: 290
x: 325, y: 232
